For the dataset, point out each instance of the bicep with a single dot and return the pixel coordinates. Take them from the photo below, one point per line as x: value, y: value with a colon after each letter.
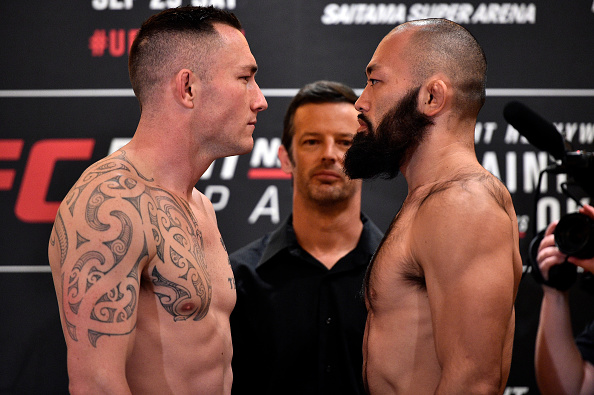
x: 102, y: 249
x: 469, y: 271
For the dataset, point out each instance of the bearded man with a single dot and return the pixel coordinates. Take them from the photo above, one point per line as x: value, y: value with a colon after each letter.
x: 440, y: 290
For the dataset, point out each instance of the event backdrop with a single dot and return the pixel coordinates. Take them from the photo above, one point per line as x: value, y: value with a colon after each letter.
x: 65, y: 102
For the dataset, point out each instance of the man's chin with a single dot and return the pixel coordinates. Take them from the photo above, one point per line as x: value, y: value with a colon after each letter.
x: 360, y: 164
x: 369, y: 174
x: 246, y: 147
x: 327, y: 194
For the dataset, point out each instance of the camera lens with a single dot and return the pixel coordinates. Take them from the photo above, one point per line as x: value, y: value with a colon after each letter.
x: 574, y: 235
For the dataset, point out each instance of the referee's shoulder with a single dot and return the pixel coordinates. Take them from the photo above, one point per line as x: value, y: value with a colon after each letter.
x: 250, y: 254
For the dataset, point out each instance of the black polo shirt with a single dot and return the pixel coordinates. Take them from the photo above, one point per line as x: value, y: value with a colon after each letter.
x: 297, y: 327
x: 585, y: 343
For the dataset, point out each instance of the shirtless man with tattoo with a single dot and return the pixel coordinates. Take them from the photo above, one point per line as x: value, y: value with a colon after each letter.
x: 141, y: 273
x: 440, y: 290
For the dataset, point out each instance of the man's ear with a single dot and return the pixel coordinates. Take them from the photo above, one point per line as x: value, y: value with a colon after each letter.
x: 435, y: 95
x: 186, y: 85
x: 285, y: 160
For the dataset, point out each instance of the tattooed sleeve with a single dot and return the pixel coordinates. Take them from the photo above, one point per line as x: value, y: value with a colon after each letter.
x: 113, y: 223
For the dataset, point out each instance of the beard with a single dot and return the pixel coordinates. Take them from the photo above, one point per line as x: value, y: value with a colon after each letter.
x: 383, y: 151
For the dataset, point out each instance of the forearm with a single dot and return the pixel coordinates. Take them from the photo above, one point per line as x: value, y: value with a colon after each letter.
x: 471, y: 381
x: 97, y: 384
x: 471, y: 388
x: 559, y: 365
x: 88, y: 375
x: 467, y: 371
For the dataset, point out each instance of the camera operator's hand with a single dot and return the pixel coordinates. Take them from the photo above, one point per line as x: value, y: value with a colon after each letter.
x: 559, y: 366
x: 548, y: 253
x: 587, y: 264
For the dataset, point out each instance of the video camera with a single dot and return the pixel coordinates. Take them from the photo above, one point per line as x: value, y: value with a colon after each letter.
x: 574, y: 234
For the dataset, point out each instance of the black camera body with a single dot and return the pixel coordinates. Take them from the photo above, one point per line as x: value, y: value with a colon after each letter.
x: 579, y: 165
x: 574, y: 235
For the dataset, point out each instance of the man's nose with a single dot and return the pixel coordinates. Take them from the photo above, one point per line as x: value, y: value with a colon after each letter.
x: 362, y: 103
x: 260, y: 103
x: 331, y: 152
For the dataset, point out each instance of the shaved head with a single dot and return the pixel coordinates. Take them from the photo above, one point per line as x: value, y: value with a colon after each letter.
x: 442, y: 46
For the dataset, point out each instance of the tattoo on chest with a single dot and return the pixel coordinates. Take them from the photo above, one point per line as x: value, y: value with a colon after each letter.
x: 230, y: 279
x: 123, y: 221
x: 179, y: 242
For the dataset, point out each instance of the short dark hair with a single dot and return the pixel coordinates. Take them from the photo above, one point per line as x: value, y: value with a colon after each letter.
x: 174, y: 38
x: 316, y: 92
x: 440, y: 45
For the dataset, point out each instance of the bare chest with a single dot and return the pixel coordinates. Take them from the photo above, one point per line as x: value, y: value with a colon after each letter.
x: 188, y: 269
x: 394, y: 275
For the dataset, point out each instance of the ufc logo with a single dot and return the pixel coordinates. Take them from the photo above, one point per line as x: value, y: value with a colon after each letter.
x: 31, y: 204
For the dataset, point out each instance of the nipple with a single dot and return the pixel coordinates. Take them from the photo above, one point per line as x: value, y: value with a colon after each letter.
x: 188, y: 307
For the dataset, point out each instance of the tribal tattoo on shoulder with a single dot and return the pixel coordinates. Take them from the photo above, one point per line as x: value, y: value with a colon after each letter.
x: 125, y: 216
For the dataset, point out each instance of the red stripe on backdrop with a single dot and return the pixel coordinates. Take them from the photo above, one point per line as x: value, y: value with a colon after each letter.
x: 267, y: 174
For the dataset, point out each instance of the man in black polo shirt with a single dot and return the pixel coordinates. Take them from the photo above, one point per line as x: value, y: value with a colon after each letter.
x: 298, y: 324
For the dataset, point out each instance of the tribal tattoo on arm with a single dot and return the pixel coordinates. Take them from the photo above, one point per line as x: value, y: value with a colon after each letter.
x: 114, y: 224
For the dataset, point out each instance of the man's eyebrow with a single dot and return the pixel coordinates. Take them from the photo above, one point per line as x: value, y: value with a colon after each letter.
x: 345, y: 134
x: 252, y: 68
x: 312, y: 133
x: 370, y: 69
